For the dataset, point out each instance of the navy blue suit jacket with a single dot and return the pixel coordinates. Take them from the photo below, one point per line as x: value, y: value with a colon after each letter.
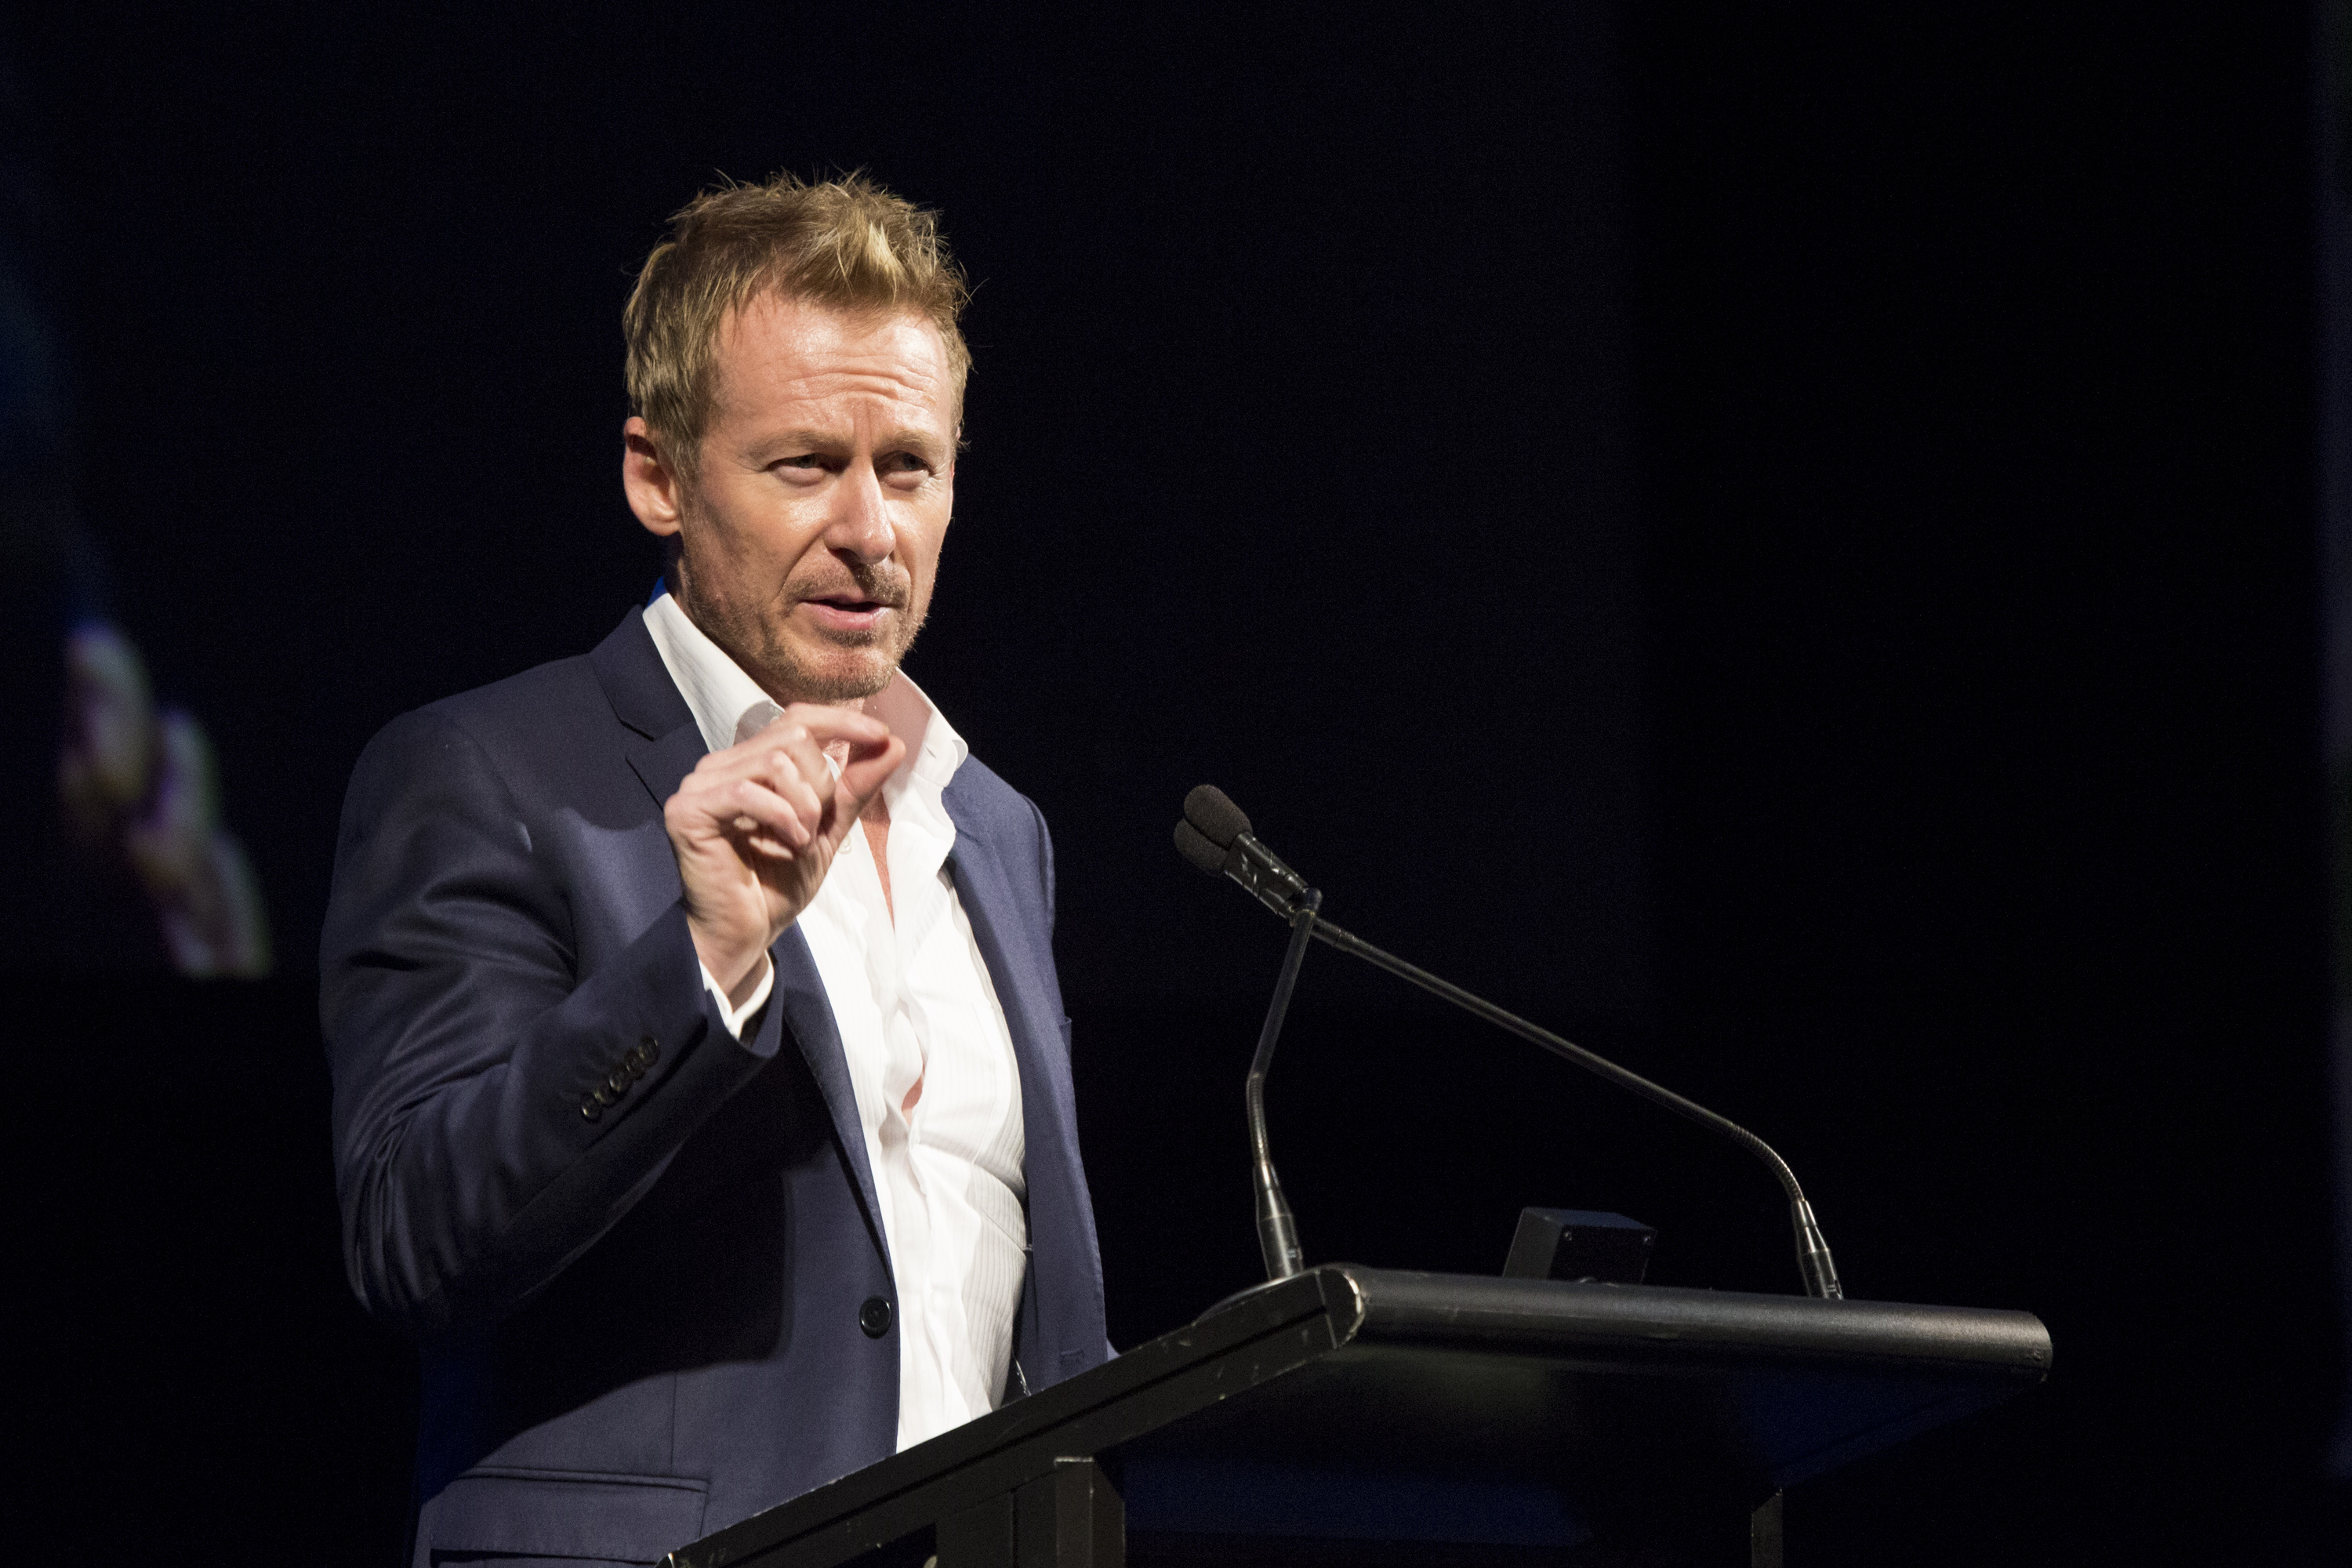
x: 641, y: 1326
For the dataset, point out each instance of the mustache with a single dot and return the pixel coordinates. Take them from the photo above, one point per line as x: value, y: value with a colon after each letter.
x: 876, y: 585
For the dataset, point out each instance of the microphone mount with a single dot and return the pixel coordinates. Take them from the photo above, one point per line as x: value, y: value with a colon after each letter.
x: 1214, y: 837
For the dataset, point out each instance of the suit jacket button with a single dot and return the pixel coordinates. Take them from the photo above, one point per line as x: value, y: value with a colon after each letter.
x: 874, y: 1316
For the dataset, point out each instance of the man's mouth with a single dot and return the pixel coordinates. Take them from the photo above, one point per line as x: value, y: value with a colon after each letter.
x: 850, y: 612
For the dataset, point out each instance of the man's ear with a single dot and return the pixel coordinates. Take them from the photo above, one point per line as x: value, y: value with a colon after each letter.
x: 655, y: 492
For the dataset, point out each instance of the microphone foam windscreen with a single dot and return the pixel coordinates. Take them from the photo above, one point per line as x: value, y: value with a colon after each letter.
x: 1205, y: 857
x: 1219, y: 819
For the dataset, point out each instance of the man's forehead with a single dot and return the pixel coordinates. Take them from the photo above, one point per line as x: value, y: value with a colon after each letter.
x: 773, y: 325
x: 783, y: 348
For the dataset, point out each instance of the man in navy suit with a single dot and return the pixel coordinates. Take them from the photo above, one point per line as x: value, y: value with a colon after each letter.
x: 702, y: 1087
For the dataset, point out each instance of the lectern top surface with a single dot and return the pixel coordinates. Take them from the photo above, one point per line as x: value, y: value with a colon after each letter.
x: 1537, y: 1314
x: 1582, y: 1391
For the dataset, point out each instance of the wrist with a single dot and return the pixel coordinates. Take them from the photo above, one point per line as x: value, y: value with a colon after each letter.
x: 738, y: 967
x: 740, y: 994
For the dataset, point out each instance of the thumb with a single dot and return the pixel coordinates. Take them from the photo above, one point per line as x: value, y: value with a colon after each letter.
x: 862, y: 778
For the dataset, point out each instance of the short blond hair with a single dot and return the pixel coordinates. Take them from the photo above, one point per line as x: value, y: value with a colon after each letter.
x: 844, y: 243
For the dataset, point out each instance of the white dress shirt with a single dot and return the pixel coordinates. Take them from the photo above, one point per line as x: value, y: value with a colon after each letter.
x: 931, y: 1055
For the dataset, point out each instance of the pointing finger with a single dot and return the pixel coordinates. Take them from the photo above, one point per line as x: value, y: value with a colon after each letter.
x: 866, y: 772
x: 831, y: 724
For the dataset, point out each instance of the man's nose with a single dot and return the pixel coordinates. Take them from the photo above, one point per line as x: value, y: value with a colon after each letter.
x: 861, y: 522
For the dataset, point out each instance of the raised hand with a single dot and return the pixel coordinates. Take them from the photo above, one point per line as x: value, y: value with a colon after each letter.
x: 755, y: 828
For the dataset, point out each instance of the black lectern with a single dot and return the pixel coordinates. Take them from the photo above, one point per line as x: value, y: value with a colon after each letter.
x: 1352, y: 1415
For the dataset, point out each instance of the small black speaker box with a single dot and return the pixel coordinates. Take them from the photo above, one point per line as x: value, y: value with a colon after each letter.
x: 1578, y: 1243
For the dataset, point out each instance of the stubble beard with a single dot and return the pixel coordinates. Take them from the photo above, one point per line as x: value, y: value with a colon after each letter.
x: 755, y: 637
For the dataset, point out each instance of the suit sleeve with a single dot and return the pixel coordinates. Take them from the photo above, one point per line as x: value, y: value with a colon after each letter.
x: 474, y: 1156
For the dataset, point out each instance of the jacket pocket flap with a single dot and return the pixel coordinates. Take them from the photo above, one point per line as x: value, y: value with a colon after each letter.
x: 615, y: 1518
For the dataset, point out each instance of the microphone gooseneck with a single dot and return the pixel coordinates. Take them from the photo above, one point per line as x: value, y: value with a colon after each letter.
x: 1278, y: 1231
x: 1224, y: 843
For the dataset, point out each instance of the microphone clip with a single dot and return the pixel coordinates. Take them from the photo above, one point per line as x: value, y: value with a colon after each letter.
x: 1271, y: 882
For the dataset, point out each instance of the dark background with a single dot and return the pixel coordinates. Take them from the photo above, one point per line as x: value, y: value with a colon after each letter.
x: 1783, y: 549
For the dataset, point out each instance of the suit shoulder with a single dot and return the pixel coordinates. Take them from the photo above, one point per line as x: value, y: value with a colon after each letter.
x: 516, y: 738
x: 550, y: 701
x: 559, y: 693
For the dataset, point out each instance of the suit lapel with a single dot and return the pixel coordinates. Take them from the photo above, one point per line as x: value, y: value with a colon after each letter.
x: 800, y: 994
x: 1017, y: 971
x: 662, y: 764
x: 1061, y: 1325
x: 1034, y: 1015
x: 645, y: 699
x: 636, y: 683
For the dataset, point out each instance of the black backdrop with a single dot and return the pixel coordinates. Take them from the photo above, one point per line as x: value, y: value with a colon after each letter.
x: 1783, y: 549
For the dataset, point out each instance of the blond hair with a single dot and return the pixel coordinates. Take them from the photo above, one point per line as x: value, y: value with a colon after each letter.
x: 847, y: 243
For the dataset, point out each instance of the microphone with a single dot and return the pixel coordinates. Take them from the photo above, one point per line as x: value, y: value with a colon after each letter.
x: 1215, y: 836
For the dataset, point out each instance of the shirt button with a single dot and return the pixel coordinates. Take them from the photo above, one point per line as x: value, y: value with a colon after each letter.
x: 874, y: 1316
